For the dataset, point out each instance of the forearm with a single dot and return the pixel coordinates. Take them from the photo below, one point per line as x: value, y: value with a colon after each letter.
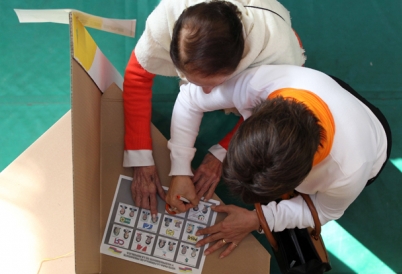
x: 294, y: 212
x: 183, y: 132
x: 288, y: 214
x: 137, y: 96
x: 190, y: 105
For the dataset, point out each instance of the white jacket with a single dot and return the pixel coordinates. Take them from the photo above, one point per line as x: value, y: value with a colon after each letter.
x: 268, y: 38
x: 357, y: 154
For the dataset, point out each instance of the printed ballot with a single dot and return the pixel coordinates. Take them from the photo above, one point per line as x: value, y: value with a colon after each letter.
x: 166, y: 242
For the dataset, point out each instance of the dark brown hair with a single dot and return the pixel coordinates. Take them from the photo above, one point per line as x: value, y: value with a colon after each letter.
x: 272, y: 151
x: 212, y: 42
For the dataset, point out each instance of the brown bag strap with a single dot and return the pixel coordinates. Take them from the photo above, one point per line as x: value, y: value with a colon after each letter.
x: 265, y: 227
x: 263, y: 222
x: 317, y: 224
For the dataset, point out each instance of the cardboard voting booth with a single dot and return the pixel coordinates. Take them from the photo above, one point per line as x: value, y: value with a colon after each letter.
x: 96, y: 152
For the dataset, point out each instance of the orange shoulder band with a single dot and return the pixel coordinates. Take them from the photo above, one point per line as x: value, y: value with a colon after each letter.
x: 320, y: 110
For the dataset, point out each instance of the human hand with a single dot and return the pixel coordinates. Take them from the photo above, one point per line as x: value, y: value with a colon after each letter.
x: 232, y: 230
x: 181, y: 186
x: 144, y: 186
x: 207, y: 176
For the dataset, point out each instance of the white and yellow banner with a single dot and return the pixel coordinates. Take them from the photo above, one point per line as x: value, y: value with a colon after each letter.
x: 84, y: 48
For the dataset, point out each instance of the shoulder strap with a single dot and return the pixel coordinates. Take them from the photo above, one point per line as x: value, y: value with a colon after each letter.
x: 266, y: 10
x: 265, y: 227
x: 317, y: 224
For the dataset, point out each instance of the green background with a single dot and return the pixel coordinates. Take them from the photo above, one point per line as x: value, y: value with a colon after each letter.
x: 357, y: 41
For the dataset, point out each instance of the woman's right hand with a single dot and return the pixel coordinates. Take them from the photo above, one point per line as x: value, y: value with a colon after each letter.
x: 181, y: 186
x: 238, y: 223
x: 145, y: 186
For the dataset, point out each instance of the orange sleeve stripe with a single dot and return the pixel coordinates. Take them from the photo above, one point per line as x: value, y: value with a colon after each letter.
x: 298, y: 39
x: 226, y: 140
x: 137, y: 96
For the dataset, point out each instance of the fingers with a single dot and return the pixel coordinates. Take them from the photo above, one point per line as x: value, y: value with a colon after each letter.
x: 197, y: 176
x: 134, y: 193
x: 161, y: 191
x: 205, y: 186
x: 145, y: 202
x: 181, y: 207
x: 153, y: 205
x: 209, y: 239
x: 194, y: 201
x: 148, y: 195
x: 219, y: 244
x: 210, y: 191
x: 202, y: 186
x: 159, y: 187
x: 207, y: 176
x: 181, y: 186
x: 144, y: 187
x: 222, y: 208
x: 214, y: 247
x: 209, y: 230
x: 228, y: 250
x: 176, y: 204
x: 189, y: 206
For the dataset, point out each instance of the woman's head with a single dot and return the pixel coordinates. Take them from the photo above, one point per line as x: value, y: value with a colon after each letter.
x: 208, y: 40
x: 272, y: 151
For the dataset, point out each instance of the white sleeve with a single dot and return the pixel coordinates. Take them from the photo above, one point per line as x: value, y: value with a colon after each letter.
x: 189, y: 108
x: 330, y: 204
x: 142, y: 157
x: 218, y: 151
x: 186, y: 120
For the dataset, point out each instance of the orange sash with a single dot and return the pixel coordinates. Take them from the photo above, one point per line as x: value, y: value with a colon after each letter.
x: 320, y: 110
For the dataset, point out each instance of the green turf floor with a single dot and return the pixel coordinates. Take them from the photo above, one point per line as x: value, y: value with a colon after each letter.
x: 357, y: 41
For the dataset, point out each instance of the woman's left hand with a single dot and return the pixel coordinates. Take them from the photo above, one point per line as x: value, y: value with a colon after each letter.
x: 231, y: 231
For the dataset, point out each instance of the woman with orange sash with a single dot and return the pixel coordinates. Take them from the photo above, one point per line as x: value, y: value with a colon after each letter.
x: 303, y: 131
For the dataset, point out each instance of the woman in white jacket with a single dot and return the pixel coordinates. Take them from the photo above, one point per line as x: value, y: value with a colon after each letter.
x: 222, y: 38
x: 322, y: 139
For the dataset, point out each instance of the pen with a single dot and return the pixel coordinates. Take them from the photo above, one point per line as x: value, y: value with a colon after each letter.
x: 183, y: 199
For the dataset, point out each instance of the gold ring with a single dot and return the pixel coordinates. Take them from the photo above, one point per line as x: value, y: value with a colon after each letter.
x: 223, y: 241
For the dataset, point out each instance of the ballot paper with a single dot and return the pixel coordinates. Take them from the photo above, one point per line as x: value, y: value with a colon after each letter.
x: 167, y: 243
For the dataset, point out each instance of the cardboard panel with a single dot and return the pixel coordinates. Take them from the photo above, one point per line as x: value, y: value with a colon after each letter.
x: 85, y: 120
x: 112, y: 145
x: 36, y: 206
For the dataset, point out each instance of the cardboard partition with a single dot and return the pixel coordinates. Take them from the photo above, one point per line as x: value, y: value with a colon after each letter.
x: 36, y: 206
x: 97, y: 124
